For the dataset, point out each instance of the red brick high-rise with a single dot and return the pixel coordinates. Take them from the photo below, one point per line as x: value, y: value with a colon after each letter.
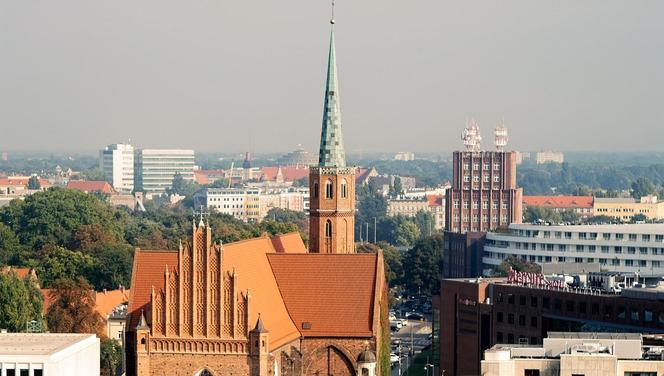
x: 484, y: 195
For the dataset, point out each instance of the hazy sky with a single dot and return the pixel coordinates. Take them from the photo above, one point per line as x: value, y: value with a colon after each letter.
x: 211, y: 75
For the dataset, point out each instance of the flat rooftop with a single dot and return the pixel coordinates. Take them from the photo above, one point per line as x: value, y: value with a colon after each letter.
x: 38, y: 343
x: 635, y: 228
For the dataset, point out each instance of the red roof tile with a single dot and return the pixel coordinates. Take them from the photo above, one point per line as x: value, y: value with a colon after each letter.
x: 333, y: 294
x: 22, y: 180
x: 106, y: 301
x: 565, y: 202
x: 201, y: 177
x: 289, y: 243
x: 291, y: 173
x: 435, y: 200
x: 90, y: 186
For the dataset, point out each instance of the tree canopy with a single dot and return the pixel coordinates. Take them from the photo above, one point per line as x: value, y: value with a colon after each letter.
x: 20, y: 302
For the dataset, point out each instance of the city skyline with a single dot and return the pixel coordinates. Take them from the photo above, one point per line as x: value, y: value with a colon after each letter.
x: 244, y: 77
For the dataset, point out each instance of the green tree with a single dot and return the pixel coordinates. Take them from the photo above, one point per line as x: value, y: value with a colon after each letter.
x: 534, y: 214
x: 111, y: 268
x: 18, y: 303
x: 110, y: 353
x: 424, y: 262
x: 370, y: 204
x: 51, y: 217
x: 182, y: 187
x: 570, y: 216
x: 639, y: 217
x: 9, y: 246
x: 425, y: 222
x: 405, y: 232
x: 517, y: 264
x: 58, y: 262
x: 643, y: 187
x: 33, y: 183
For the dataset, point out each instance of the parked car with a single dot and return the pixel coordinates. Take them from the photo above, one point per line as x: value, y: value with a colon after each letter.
x: 415, y: 316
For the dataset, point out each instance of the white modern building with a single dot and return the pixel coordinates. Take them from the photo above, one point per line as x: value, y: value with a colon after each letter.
x: 49, y: 354
x: 252, y: 204
x: 624, y: 248
x: 570, y: 354
x: 116, y: 161
x: 155, y: 168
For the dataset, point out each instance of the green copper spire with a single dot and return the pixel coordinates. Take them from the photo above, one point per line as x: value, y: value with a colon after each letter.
x: 331, y: 141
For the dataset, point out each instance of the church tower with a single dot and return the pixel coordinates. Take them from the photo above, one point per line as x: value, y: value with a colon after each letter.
x: 332, y: 183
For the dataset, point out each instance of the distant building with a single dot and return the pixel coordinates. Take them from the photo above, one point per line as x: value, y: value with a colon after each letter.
x: 404, y: 156
x: 283, y: 175
x: 45, y: 354
x: 615, y: 354
x: 155, y: 168
x: 624, y: 209
x: 363, y: 175
x: 550, y: 157
x: 4, y: 156
x: 437, y: 210
x: 581, y: 205
x: 385, y: 182
x: 299, y: 158
x: 18, y: 186
x: 252, y: 204
x: 116, y: 161
x: 635, y: 248
x: 406, y: 207
x: 484, y: 194
x: 100, y: 187
x: 521, y: 156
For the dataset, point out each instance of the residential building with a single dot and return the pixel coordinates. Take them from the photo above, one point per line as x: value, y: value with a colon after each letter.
x: 284, y: 175
x: 4, y: 156
x: 155, y: 168
x: 232, y: 201
x: 385, y: 183
x: 635, y: 248
x: 437, y: 210
x: 116, y: 161
x: 476, y: 314
x: 624, y: 209
x: 364, y: 175
x: 46, y: 354
x: 293, y: 198
x: 543, y: 157
x: 100, y: 186
x: 406, y: 207
x: 404, y: 156
x: 18, y: 186
x: 484, y: 195
x: 570, y: 353
x: 521, y: 156
x: 581, y: 205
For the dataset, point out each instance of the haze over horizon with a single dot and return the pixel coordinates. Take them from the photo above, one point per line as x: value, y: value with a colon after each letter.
x: 232, y: 76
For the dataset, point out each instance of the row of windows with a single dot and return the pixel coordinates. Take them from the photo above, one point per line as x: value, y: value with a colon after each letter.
x: 476, y: 179
x: 476, y: 205
x: 578, y: 260
x: 485, y: 218
x: 633, y: 314
x: 500, y: 317
x: 587, y: 235
x: 329, y: 189
x: 486, y: 166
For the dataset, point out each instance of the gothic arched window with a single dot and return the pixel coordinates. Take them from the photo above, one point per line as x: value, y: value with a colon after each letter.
x: 328, y: 189
x: 344, y: 189
x: 328, y: 229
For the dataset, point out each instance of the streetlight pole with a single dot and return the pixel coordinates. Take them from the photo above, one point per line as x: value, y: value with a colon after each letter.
x: 374, y: 230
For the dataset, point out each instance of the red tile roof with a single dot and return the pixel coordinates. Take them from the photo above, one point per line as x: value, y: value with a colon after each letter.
x: 565, y: 202
x: 292, y: 173
x: 435, y: 200
x: 21, y: 180
x: 289, y: 243
x: 332, y: 294
x: 201, y: 177
x: 90, y: 186
x: 106, y: 301
x: 147, y: 271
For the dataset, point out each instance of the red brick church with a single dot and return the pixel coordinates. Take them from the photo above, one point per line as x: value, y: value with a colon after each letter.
x: 266, y: 306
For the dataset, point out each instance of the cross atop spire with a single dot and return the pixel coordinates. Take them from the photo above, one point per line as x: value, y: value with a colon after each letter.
x: 331, y: 142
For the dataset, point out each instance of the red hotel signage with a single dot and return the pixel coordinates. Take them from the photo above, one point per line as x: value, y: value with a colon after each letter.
x: 536, y: 279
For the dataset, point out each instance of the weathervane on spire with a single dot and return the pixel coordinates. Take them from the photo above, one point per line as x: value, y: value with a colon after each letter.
x: 332, y: 19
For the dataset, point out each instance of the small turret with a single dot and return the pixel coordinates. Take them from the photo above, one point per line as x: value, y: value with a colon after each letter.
x: 259, y: 342
x: 366, y: 363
